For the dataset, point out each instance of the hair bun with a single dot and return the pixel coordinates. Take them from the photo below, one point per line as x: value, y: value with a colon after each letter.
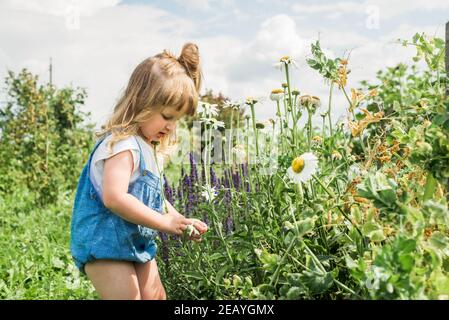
x: 190, y: 59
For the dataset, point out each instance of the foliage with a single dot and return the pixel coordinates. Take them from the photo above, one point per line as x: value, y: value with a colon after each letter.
x: 371, y: 223
x: 41, y: 127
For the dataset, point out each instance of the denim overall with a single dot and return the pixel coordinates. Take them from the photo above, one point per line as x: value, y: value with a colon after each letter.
x: 98, y: 233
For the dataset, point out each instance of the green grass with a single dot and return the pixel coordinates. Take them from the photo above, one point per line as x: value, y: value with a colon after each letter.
x: 35, y: 262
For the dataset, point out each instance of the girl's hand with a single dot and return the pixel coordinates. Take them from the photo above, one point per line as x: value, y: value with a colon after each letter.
x: 174, y: 223
x: 199, y: 225
x: 199, y: 229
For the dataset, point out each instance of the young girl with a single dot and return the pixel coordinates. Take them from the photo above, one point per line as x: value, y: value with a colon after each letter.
x: 118, y: 205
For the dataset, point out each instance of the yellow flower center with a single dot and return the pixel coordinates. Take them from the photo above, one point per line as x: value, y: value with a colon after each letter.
x: 298, y: 164
x: 284, y: 59
x: 276, y: 91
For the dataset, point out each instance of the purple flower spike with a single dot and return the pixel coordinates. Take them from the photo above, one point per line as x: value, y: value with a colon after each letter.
x: 236, y: 180
x: 219, y: 183
x: 164, y: 249
x: 168, y: 190
x: 229, y: 225
x: 244, y: 169
x: 193, y: 170
x: 206, y: 219
x: 179, y: 193
x: 226, y: 180
x: 213, y: 178
x: 203, y: 173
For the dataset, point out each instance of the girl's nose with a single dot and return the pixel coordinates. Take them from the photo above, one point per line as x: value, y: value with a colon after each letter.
x: 170, y: 126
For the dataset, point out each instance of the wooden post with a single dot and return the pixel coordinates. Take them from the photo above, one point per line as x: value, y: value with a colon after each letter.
x: 51, y: 69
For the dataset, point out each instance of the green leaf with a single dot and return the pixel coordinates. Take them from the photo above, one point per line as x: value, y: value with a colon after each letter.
x: 317, y: 283
x: 294, y: 293
x: 438, y: 240
x: 193, y: 275
x: 373, y: 231
x: 407, y: 262
x: 220, y: 273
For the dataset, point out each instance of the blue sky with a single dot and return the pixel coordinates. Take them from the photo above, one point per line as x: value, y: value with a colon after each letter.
x: 96, y: 44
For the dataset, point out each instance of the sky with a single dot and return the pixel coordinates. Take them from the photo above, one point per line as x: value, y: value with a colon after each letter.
x: 97, y: 44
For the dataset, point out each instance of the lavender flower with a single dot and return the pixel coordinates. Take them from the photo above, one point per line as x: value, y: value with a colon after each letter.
x: 229, y: 225
x: 164, y: 249
x: 236, y: 180
x: 203, y: 174
x: 168, y: 190
x: 219, y: 183
x: 227, y: 198
x: 193, y: 170
x: 226, y: 183
x: 206, y: 219
x: 180, y: 193
x: 244, y: 170
x: 213, y: 178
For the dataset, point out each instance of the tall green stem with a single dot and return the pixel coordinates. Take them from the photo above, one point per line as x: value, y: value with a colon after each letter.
x: 329, y: 110
x: 309, y: 128
x: 253, y: 114
x: 160, y: 180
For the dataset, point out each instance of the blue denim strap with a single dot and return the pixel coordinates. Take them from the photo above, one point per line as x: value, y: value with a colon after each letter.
x: 99, y: 141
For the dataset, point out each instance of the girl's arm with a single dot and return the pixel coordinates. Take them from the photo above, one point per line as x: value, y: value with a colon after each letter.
x: 116, y: 176
x: 199, y: 225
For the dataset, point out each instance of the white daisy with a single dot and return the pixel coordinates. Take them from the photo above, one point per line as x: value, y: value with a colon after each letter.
x: 213, y: 122
x: 277, y: 94
x: 312, y: 101
x: 232, y: 105
x: 240, y: 153
x: 209, y: 193
x: 251, y: 101
x: 208, y: 109
x: 303, y: 167
x: 283, y: 61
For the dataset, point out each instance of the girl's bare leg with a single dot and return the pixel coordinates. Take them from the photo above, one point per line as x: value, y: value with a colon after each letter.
x: 150, y: 284
x: 114, y: 280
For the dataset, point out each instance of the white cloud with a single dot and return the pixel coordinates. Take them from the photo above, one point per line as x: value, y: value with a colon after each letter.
x: 112, y: 40
x: 341, y: 7
x: 61, y: 7
x: 100, y: 56
x: 203, y: 5
x: 387, y: 8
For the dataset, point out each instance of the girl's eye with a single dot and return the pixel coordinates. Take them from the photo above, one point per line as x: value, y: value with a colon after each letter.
x: 167, y: 117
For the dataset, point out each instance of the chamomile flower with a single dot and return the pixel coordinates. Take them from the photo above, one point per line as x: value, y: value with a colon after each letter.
x: 240, y: 153
x: 208, y: 109
x: 285, y: 60
x: 303, y: 167
x: 336, y: 155
x: 231, y: 105
x: 215, y: 124
x: 277, y: 94
x: 209, y: 193
x: 251, y: 101
x: 312, y: 101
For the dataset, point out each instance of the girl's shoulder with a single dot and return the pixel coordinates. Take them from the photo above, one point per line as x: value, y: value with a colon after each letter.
x: 103, y: 151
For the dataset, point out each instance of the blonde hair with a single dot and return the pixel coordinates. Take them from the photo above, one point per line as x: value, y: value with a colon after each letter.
x: 156, y: 83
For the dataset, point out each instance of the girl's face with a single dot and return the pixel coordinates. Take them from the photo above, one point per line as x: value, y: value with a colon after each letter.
x: 161, y: 124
